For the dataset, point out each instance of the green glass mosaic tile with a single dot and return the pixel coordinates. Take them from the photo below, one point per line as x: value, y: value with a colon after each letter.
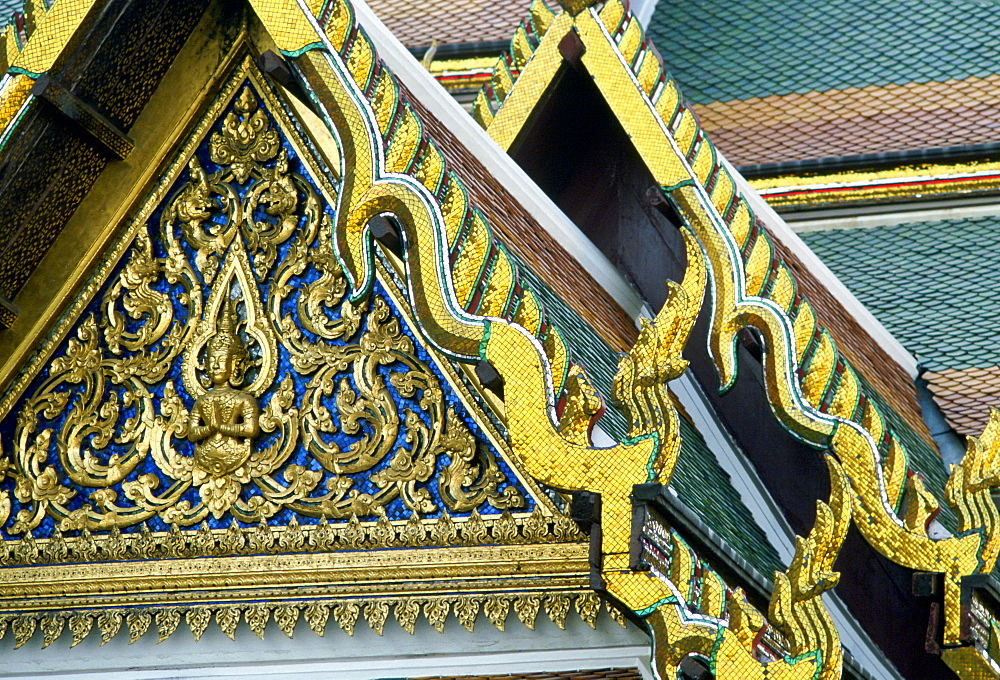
x: 720, y: 50
x: 932, y: 284
x: 701, y: 484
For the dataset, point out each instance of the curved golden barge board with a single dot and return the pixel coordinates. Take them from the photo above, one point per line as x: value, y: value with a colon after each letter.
x: 752, y: 287
x: 336, y: 84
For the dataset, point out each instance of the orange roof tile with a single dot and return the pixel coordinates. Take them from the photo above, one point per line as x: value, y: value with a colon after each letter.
x: 871, y: 119
x: 418, y: 23
x: 965, y: 396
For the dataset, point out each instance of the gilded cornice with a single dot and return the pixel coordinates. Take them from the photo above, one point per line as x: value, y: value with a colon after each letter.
x: 258, y: 381
x: 856, y: 187
x: 126, y: 515
x: 813, y: 390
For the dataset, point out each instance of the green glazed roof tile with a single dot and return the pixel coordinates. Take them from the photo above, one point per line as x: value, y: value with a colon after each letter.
x: 719, y: 50
x: 701, y: 484
x: 932, y: 284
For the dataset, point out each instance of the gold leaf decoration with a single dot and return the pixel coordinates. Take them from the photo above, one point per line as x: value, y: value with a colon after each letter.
x: 497, y: 607
x: 197, y: 620
x: 316, y: 616
x: 346, y: 616
x: 109, y: 623
x: 80, y: 626
x: 376, y: 614
x: 228, y: 619
x: 504, y: 529
x: 23, y: 628
x: 436, y: 612
x: 474, y: 529
x: 353, y: 535
x: 444, y: 531
x: 557, y: 606
x: 138, y: 623
x: 323, y: 537
x: 535, y: 528
x: 286, y: 616
x: 406, y: 613
x: 588, y: 606
x: 616, y: 615
x: 256, y: 617
x: 526, y: 608
x: 413, y: 532
x: 167, y: 621
x: 229, y: 272
x: 52, y: 628
x: 466, y: 611
x: 292, y: 539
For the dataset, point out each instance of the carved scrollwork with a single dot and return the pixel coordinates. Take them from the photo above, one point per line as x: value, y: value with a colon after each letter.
x: 223, y: 372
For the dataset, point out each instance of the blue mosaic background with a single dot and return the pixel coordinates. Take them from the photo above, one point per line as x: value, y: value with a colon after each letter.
x: 394, y: 509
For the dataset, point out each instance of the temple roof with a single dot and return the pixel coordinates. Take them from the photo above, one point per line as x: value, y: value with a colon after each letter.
x: 419, y: 23
x: 925, y: 281
x: 837, y: 78
x: 720, y: 51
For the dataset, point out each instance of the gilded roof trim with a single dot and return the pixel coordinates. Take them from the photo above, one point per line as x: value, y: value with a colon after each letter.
x: 813, y: 390
x: 561, y: 455
x: 23, y: 61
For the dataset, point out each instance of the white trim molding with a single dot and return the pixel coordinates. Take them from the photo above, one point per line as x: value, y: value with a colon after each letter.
x: 777, y: 227
x: 442, y: 105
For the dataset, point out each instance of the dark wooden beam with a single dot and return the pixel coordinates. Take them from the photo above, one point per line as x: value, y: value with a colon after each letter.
x: 99, y: 129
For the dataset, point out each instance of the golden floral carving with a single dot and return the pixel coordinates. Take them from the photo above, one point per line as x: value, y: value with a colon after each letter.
x: 167, y: 621
x: 406, y: 613
x: 286, y: 616
x: 588, y: 607
x: 138, y: 624
x: 557, y: 607
x: 256, y: 617
x: 80, y: 626
x: 376, y: 614
x: 526, y: 608
x: 23, y: 628
x: 316, y: 616
x: 436, y: 612
x: 466, y: 611
x: 228, y: 240
x: 228, y: 619
x: 52, y: 628
x: 246, y: 140
x: 109, y: 623
x: 346, y: 616
x: 496, y: 610
x: 197, y: 621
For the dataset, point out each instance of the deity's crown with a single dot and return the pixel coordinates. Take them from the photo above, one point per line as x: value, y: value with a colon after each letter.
x: 226, y: 338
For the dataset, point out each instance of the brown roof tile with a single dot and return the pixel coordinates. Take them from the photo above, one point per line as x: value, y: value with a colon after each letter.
x: 418, y: 23
x: 854, y: 121
x: 867, y: 357
x: 519, y: 231
x: 965, y: 395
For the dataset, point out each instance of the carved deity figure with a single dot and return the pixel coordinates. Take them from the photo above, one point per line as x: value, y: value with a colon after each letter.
x: 224, y: 419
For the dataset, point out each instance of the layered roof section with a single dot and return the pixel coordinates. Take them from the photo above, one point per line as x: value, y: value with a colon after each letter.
x: 928, y: 285
x: 420, y: 23
x: 795, y: 47
x: 834, y: 78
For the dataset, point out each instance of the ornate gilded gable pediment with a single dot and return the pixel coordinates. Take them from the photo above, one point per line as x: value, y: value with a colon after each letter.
x: 212, y: 393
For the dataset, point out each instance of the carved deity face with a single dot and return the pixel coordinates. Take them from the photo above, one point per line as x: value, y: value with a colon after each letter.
x: 220, y: 365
